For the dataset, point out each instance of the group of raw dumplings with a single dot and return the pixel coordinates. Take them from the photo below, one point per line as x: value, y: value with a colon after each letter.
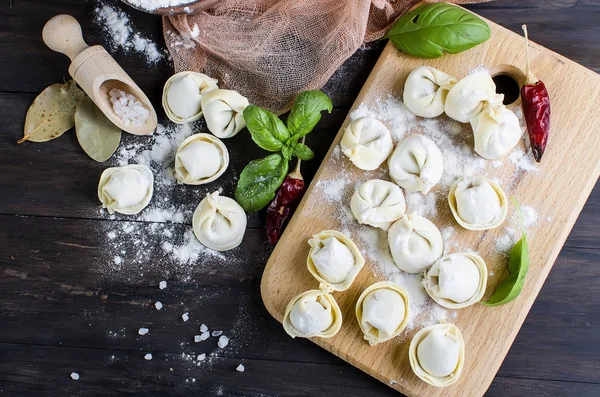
x: 334, y: 260
x: 219, y: 222
x: 456, y: 280
x: 187, y: 96
x: 429, y: 92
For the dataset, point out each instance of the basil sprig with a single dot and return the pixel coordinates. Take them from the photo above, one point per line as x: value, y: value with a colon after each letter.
x: 518, y: 266
x: 261, y: 178
x: 431, y: 30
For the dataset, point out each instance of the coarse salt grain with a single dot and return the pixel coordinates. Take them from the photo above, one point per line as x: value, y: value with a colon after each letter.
x: 217, y: 333
x: 204, y: 336
x: 185, y: 317
x: 223, y: 341
x: 158, y: 305
x: 201, y: 357
x: 74, y: 376
x: 143, y: 331
x: 148, y: 356
x: 203, y: 328
x: 240, y: 368
x: 197, y: 338
x: 128, y: 108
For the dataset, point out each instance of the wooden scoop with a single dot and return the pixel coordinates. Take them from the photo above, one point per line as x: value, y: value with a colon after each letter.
x: 95, y: 71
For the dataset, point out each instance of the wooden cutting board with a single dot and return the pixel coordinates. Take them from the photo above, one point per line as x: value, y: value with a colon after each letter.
x: 569, y: 171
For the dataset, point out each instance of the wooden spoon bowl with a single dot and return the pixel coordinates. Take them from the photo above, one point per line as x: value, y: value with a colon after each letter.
x: 190, y: 8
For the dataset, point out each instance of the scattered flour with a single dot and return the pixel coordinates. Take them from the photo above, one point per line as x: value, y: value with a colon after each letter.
x: 152, y: 5
x: 512, y: 232
x: 160, y: 238
x: 121, y: 34
x: 392, y: 112
x: 423, y: 205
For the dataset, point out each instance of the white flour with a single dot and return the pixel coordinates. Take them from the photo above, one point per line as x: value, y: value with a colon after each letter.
x: 121, y: 34
x: 152, y: 5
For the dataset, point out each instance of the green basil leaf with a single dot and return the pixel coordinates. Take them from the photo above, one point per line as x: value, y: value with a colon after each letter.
x: 433, y: 29
x: 259, y: 181
x: 287, y: 152
x: 267, y: 130
x: 303, y: 152
x: 306, y: 112
x: 518, y: 266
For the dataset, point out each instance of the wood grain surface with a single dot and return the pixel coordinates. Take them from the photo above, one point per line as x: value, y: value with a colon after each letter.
x: 62, y: 311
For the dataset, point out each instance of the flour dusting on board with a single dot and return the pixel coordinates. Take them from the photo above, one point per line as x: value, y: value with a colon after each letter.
x: 455, y: 141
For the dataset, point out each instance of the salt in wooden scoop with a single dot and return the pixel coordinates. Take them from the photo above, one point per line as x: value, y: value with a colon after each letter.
x: 95, y: 71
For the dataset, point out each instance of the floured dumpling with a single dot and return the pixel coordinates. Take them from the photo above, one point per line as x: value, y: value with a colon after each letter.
x: 378, y: 203
x: 334, y: 259
x: 367, y: 142
x: 425, y: 91
x: 382, y: 311
x: 219, y: 222
x: 127, y: 189
x: 437, y: 354
x: 416, y: 164
x: 415, y: 243
x: 313, y: 313
x: 470, y: 96
x: 183, y: 93
x: 457, y: 280
x: 496, y: 131
x: 223, y: 112
x: 200, y: 159
x: 478, y: 203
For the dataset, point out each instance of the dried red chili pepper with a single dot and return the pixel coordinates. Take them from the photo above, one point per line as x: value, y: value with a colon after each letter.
x: 536, y: 108
x: 287, y: 196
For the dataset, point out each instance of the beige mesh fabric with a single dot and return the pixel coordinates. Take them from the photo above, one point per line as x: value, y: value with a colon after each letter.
x: 269, y: 50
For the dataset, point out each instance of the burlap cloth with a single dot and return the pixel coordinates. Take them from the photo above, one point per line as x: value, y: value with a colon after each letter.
x: 269, y: 50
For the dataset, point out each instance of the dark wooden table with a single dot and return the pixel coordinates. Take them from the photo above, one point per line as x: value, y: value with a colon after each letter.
x: 61, y: 311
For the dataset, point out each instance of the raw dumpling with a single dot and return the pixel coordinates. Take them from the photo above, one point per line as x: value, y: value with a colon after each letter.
x: 457, y: 280
x: 415, y: 243
x: 334, y: 259
x: 416, y: 164
x: 127, y: 189
x: 223, y: 112
x: 425, y: 91
x: 183, y: 93
x: 496, y: 131
x: 313, y: 313
x: 378, y: 203
x: 219, y: 222
x: 200, y: 159
x: 470, y: 96
x: 367, y: 142
x: 382, y: 312
x: 437, y: 354
x: 478, y: 203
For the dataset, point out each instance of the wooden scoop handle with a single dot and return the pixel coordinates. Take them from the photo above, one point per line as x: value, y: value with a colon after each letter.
x: 62, y: 33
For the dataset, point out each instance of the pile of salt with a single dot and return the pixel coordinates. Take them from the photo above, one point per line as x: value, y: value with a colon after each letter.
x: 131, y: 111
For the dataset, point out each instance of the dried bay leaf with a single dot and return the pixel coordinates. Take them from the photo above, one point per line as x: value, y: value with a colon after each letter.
x: 52, y: 112
x: 96, y: 134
